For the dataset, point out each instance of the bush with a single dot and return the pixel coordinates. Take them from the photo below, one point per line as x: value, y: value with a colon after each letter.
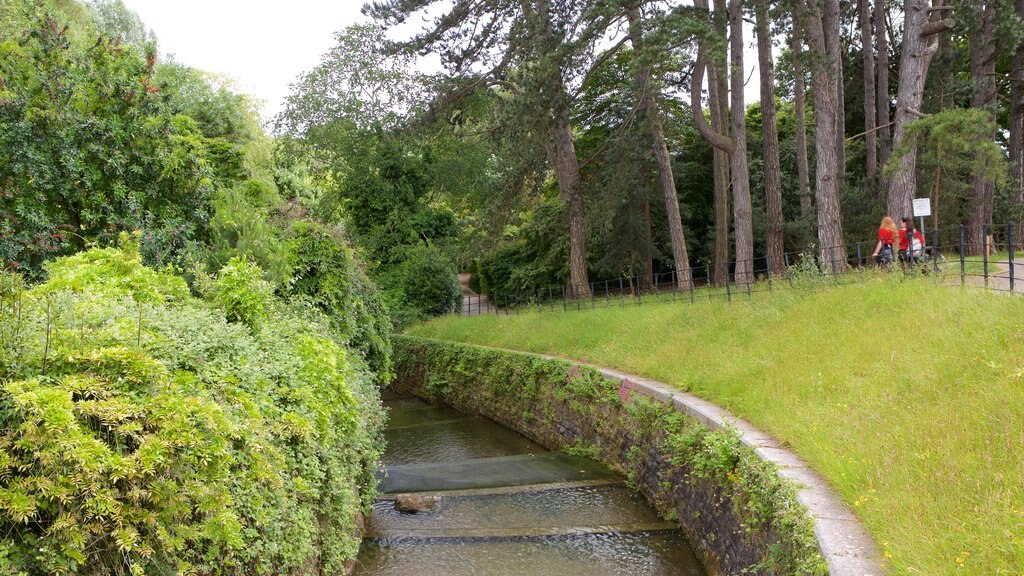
x: 242, y: 293
x: 143, y: 433
x: 327, y: 273
x: 429, y: 281
x: 241, y: 228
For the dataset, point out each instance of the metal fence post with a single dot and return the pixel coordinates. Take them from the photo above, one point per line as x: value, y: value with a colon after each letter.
x: 785, y: 259
x: 768, y: 271
x: 832, y: 259
x: 565, y: 301
x: 1010, y: 240
x: 622, y: 293
x: 728, y: 291
x: 692, y: 295
x: 859, y: 267
x: 675, y: 284
x: 984, y: 251
x: 963, y: 269
x: 748, y: 277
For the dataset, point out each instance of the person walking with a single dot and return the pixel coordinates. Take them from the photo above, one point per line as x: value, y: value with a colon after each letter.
x: 886, y: 238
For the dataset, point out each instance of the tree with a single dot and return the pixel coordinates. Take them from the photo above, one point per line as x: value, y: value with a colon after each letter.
x: 647, y: 109
x: 882, y: 86
x: 1016, y: 115
x: 770, y: 138
x: 921, y: 27
x: 533, y: 47
x: 87, y: 151
x: 114, y: 20
x: 800, y: 106
x: 982, y: 72
x: 821, y: 24
x: 734, y: 144
x: 870, y: 105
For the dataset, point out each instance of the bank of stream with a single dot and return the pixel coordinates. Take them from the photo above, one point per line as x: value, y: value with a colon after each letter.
x: 498, y: 503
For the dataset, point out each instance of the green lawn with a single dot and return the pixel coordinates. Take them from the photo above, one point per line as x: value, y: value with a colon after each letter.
x: 975, y: 265
x: 907, y: 396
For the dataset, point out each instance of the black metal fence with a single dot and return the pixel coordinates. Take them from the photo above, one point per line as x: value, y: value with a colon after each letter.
x: 984, y: 257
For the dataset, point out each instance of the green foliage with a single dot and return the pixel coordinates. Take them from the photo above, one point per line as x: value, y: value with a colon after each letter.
x: 117, y: 272
x: 86, y: 151
x: 241, y: 227
x: 242, y: 293
x: 143, y: 433
x: 531, y: 255
x: 327, y: 273
x: 428, y: 282
x: 955, y: 138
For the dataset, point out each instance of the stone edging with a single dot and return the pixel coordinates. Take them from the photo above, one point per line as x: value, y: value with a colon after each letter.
x: 843, y: 541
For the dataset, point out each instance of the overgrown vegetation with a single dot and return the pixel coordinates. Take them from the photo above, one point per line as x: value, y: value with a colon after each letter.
x: 905, y: 395
x: 144, y: 431
x: 527, y: 389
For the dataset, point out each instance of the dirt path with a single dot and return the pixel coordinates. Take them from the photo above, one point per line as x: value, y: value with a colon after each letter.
x: 473, y: 304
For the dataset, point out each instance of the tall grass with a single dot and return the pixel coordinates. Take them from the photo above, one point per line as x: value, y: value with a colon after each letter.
x: 907, y: 396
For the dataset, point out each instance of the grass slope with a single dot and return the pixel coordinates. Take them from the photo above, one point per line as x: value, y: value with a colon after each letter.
x: 908, y: 397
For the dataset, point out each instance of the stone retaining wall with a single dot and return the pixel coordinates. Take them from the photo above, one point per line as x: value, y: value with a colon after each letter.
x: 686, y: 458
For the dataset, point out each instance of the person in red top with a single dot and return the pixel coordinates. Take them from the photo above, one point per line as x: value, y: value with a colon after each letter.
x: 905, y: 225
x: 886, y: 238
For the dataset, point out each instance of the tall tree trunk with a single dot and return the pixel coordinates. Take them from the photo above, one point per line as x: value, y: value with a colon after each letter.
x: 867, y: 47
x: 648, y: 109
x: 882, y: 89
x: 567, y: 170
x: 982, y: 71
x: 920, y: 42
x: 803, y: 169
x: 566, y: 163
x: 841, y: 117
x: 645, y: 206
x: 823, y: 39
x: 1016, y: 145
x: 770, y: 140
x: 742, y: 209
x: 718, y: 107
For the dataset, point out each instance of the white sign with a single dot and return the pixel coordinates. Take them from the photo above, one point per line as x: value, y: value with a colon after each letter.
x: 922, y: 207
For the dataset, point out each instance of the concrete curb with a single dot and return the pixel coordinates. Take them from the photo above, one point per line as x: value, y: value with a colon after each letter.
x: 844, y: 542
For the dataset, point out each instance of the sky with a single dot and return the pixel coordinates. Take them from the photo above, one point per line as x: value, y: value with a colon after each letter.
x: 263, y: 46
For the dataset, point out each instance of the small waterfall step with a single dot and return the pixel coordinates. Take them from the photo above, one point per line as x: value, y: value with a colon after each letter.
x: 475, y: 473
x: 609, y: 509
x: 452, y: 441
x: 399, y: 418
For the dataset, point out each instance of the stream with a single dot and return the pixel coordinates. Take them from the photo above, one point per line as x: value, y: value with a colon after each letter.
x: 505, y: 505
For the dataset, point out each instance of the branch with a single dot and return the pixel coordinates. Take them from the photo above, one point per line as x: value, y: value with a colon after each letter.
x: 597, y: 64
x: 866, y: 132
x: 724, y: 143
x: 931, y: 28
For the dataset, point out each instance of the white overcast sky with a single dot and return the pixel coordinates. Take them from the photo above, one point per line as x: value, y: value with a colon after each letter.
x: 264, y: 45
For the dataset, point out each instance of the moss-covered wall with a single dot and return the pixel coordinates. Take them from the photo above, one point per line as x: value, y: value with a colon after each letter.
x: 737, y: 513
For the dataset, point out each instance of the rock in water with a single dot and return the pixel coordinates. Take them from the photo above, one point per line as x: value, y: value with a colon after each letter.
x: 414, y: 504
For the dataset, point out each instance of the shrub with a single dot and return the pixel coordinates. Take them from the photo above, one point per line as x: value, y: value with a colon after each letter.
x: 143, y: 433
x: 429, y: 282
x: 327, y: 273
x: 242, y: 293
